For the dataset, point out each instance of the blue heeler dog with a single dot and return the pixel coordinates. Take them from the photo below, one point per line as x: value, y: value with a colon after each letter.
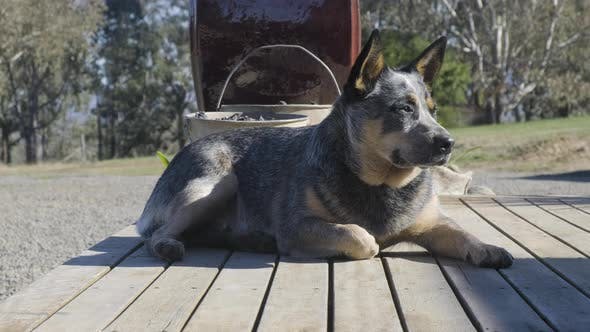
x: 357, y: 182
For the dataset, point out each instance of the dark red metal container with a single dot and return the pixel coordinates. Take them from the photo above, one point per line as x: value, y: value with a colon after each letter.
x: 224, y: 31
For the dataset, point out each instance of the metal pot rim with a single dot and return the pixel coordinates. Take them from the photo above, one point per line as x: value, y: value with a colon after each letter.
x: 286, y: 117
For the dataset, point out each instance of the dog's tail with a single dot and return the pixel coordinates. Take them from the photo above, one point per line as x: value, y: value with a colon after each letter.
x: 145, y: 227
x: 150, y: 219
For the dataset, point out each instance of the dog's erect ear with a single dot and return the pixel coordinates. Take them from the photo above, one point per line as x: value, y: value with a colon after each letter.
x: 430, y: 61
x: 368, y: 66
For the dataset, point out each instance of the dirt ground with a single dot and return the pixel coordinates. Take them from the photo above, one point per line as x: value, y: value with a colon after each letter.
x: 46, y: 220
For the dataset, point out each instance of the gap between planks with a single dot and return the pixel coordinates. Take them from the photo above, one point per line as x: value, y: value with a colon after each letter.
x: 233, y: 301
x: 362, y: 298
x: 556, y: 301
x: 563, y: 211
x: 35, y: 304
x: 298, y: 297
x: 169, y: 301
x: 580, y: 203
x: 565, y: 261
x: 564, y: 232
x: 99, y: 304
x: 427, y: 300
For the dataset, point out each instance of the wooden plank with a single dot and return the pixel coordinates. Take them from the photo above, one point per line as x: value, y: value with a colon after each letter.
x: 298, y: 298
x: 486, y: 293
x: 97, y: 306
x: 427, y: 300
x: 572, y: 265
x: 168, y: 303
x: 235, y: 297
x: 362, y: 299
x: 581, y: 203
x: 31, y: 306
x: 562, y: 210
x: 551, y: 296
x: 491, y: 299
x: 549, y: 223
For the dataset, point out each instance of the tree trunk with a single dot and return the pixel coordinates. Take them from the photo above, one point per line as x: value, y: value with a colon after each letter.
x: 3, y: 146
x: 44, y: 144
x: 30, y: 145
x: 113, y: 143
x: 6, y: 155
x: 29, y: 130
x: 180, y: 128
x: 498, y: 108
x: 99, y: 134
x: 83, y: 148
x: 517, y: 115
x: 491, y: 110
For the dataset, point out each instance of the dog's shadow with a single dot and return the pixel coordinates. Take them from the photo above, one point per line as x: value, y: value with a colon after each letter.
x: 128, y: 251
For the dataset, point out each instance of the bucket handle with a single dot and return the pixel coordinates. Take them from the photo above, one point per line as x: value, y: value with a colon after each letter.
x: 239, y: 64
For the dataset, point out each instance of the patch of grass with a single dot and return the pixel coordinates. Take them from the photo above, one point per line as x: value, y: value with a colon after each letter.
x: 125, y: 167
x: 557, y: 144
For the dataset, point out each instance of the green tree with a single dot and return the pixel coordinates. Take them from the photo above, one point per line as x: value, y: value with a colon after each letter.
x: 449, y: 88
x: 173, y: 66
x: 44, y: 45
x: 511, y: 45
x: 140, y: 77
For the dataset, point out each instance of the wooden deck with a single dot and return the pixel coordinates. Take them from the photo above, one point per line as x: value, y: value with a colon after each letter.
x: 117, y: 286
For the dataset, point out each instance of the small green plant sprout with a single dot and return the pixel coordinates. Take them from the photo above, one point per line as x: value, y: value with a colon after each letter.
x: 456, y: 158
x: 163, y: 158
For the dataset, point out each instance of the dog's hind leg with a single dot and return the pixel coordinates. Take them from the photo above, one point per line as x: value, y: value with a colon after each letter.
x: 199, y: 202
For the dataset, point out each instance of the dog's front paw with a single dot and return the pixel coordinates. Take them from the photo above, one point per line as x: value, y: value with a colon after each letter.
x: 168, y: 249
x: 486, y: 255
x: 364, y: 247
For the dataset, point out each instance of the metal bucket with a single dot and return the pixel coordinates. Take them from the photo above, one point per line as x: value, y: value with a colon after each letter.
x: 295, y: 115
x: 198, y: 128
x: 315, y: 113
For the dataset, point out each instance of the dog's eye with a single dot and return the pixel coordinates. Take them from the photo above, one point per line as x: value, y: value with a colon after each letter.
x: 407, y: 109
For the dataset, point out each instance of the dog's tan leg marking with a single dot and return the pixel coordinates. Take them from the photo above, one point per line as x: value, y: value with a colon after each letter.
x: 317, y: 235
x: 441, y: 236
x: 198, y: 203
x: 315, y: 206
x: 313, y: 237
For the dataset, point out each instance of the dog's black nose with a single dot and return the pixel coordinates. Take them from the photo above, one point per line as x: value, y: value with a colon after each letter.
x: 443, y: 144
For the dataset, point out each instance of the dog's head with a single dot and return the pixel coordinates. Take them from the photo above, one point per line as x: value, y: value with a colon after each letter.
x: 390, y: 112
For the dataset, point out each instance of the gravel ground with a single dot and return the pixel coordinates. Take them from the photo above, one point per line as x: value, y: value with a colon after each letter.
x: 46, y: 221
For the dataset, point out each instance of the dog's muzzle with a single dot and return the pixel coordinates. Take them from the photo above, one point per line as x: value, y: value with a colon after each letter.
x: 443, y: 144
x: 441, y: 149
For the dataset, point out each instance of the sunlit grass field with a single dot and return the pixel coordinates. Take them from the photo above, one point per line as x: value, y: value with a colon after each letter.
x: 125, y: 167
x: 544, y: 145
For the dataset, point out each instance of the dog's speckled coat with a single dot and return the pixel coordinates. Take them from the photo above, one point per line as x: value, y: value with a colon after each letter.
x: 356, y: 182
